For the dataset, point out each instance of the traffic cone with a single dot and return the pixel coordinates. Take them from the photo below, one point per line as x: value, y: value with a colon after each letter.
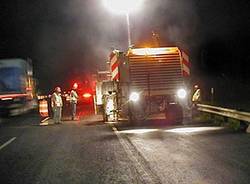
x: 43, y: 108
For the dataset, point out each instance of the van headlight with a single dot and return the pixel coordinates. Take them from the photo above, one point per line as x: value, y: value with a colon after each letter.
x: 181, y: 93
x: 134, y: 96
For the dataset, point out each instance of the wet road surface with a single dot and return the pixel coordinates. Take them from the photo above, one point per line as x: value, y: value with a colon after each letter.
x: 90, y: 151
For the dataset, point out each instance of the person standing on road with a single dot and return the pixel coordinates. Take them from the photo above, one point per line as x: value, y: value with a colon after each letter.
x: 73, y: 101
x: 196, y: 98
x: 57, y: 104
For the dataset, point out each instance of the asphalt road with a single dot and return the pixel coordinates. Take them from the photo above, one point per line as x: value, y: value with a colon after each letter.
x: 90, y: 151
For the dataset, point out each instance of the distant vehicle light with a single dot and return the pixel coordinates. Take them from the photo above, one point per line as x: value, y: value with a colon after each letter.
x: 154, y: 51
x: 134, y: 97
x: 181, y: 93
x: 86, y: 95
x: 6, y: 99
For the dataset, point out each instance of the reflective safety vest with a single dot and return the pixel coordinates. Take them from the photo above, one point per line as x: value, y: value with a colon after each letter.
x: 73, y: 96
x: 109, y: 102
x: 196, y: 96
x: 56, y: 100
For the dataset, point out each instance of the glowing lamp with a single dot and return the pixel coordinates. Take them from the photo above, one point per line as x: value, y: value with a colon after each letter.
x: 154, y: 51
x: 134, y: 97
x: 122, y: 6
x: 181, y: 93
x: 86, y: 95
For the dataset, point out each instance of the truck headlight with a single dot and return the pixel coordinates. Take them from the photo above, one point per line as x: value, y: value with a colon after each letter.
x: 134, y: 97
x: 181, y: 93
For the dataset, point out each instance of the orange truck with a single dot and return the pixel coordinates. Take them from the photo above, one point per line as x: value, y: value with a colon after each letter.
x: 151, y: 82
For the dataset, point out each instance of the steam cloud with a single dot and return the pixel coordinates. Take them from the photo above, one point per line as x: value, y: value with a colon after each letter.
x: 78, y: 37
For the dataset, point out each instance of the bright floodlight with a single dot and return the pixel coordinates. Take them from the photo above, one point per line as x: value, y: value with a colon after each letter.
x: 134, y: 97
x: 122, y: 6
x: 181, y: 93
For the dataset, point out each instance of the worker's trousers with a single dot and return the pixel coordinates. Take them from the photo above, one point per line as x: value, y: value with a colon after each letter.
x: 57, y: 114
x: 73, y: 110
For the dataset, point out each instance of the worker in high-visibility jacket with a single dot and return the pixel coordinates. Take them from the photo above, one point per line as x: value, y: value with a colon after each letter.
x: 57, y: 104
x: 73, y: 101
x: 196, y: 98
x: 110, y: 106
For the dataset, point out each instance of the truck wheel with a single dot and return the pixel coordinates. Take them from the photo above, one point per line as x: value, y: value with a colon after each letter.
x: 174, y: 114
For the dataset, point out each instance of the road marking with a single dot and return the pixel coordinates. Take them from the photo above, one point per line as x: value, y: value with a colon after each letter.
x: 45, y: 119
x: 7, y: 143
x: 145, y: 173
x: 45, y: 122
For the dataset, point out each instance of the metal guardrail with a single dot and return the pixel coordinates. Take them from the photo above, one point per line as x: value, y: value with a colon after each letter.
x: 225, y: 112
x: 230, y: 113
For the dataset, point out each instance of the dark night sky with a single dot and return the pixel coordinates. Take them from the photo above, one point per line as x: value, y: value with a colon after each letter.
x: 66, y: 38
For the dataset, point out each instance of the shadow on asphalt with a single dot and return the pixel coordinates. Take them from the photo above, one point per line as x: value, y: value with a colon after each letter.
x: 91, y: 123
x: 85, y: 119
x: 30, y: 118
x: 104, y: 138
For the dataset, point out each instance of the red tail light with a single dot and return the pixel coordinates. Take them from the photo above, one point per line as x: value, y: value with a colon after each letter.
x: 86, y: 95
